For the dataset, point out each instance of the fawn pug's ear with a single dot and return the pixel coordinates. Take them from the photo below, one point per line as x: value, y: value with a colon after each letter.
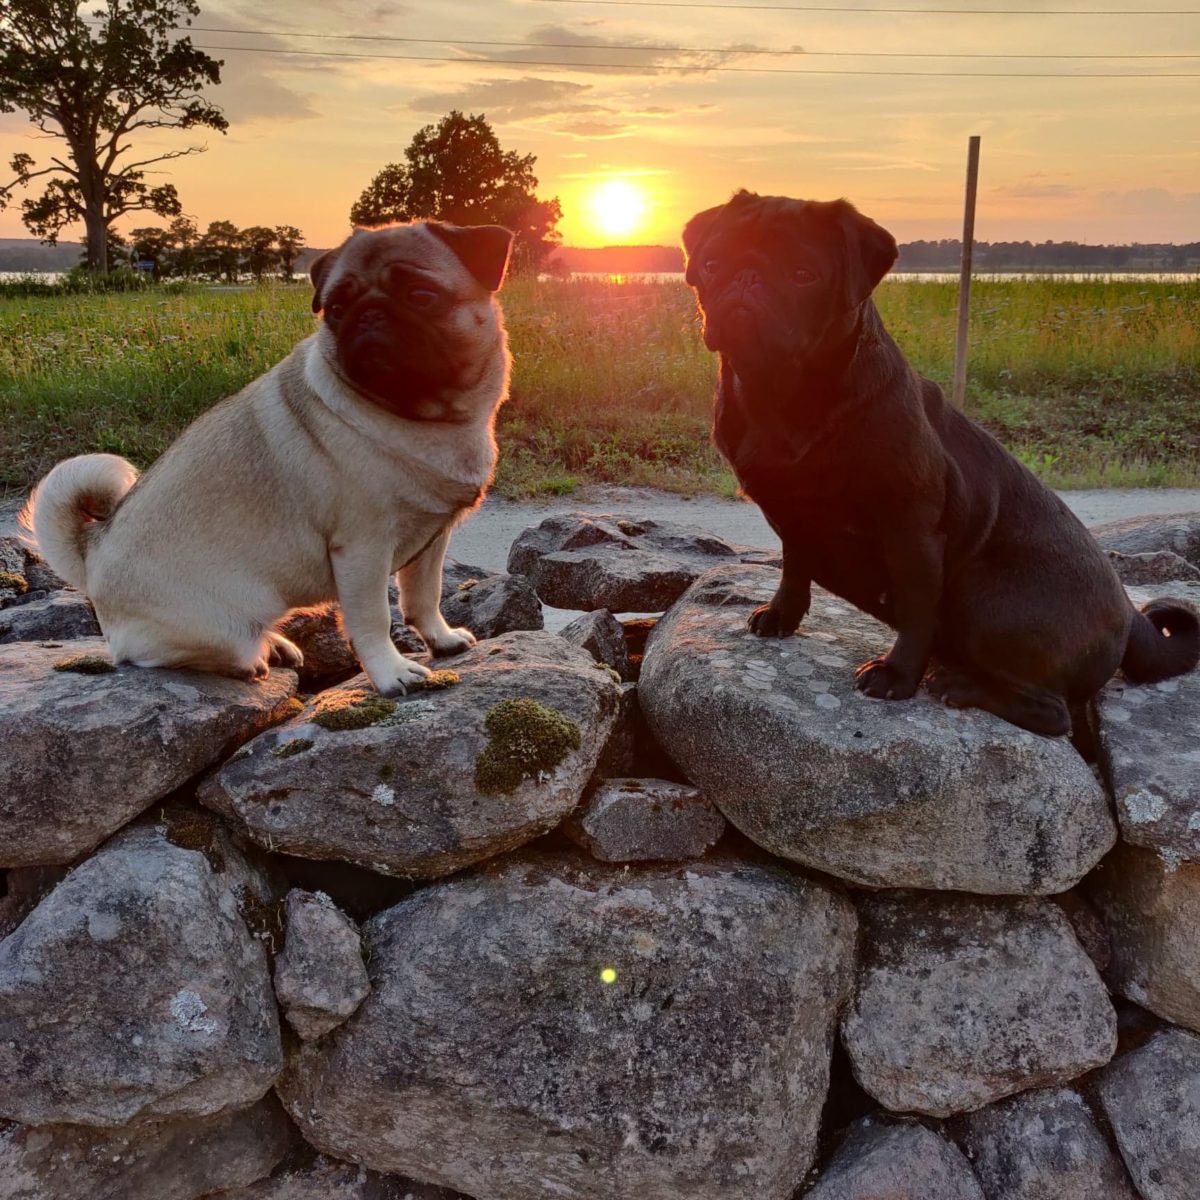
x: 483, y: 249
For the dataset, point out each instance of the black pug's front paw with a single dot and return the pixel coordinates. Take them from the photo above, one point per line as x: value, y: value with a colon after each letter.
x: 884, y: 679
x: 774, y: 621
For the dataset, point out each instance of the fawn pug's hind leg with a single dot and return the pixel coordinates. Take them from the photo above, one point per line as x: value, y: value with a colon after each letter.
x: 420, y: 583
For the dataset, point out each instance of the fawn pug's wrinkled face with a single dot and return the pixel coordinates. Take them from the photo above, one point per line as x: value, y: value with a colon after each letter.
x: 410, y: 316
x: 780, y: 280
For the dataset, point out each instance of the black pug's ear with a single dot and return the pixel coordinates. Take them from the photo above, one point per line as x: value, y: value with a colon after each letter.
x: 482, y: 249
x: 870, y: 251
x: 695, y: 234
x: 318, y: 273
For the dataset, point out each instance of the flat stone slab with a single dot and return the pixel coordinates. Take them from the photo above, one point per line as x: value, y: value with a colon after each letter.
x: 85, y: 753
x: 645, y: 820
x: 1150, y: 751
x: 962, y: 1001
x: 57, y: 617
x: 423, y: 786
x: 326, y: 1180
x: 1151, y: 1097
x: 885, y: 793
x: 1177, y: 532
x: 622, y: 563
x: 878, y: 1160
x: 152, y: 1160
x: 1152, y: 912
x: 136, y: 989
x: 552, y: 1027
x: 1043, y: 1145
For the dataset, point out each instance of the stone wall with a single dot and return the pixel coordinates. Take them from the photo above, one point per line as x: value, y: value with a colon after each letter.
x: 592, y: 917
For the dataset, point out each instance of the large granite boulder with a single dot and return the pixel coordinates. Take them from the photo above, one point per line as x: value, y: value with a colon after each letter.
x: 880, y: 1160
x: 149, y: 1160
x: 442, y: 778
x: 320, y: 978
x: 1043, y: 1145
x: 624, y: 564
x: 1150, y: 751
x: 1152, y: 912
x: 1178, y: 533
x: 136, y: 989
x: 962, y: 1001
x: 56, y: 617
x: 1151, y: 1097
x: 551, y: 1027
x: 85, y: 752
x: 885, y: 793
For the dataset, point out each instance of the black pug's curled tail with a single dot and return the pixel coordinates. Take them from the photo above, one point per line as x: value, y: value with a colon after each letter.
x: 1164, y: 640
x: 69, y: 503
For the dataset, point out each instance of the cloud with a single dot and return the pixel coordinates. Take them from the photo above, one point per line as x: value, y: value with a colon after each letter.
x: 1029, y: 190
x: 246, y: 96
x: 510, y: 99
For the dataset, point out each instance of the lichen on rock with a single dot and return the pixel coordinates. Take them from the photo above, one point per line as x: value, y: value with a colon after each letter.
x: 437, y: 681
x: 86, y: 664
x: 353, y: 710
x: 525, y: 739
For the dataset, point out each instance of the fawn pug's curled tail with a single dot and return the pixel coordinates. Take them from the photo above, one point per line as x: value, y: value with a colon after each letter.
x: 67, y: 505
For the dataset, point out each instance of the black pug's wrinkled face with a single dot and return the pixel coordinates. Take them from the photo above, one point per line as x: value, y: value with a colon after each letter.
x: 778, y: 280
x: 410, y: 318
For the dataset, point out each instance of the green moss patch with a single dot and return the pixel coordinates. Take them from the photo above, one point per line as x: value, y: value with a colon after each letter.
x: 13, y: 583
x: 439, y: 680
x: 525, y: 738
x: 295, y: 746
x: 353, y: 710
x: 86, y: 664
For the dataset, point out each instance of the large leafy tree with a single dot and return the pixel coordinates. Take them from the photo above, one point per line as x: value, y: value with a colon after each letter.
x: 290, y: 241
x: 219, y: 250
x: 258, y: 246
x: 97, y: 83
x: 457, y: 171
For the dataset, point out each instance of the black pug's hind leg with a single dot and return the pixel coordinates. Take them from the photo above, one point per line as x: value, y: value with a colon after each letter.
x: 1023, y: 704
x: 781, y: 617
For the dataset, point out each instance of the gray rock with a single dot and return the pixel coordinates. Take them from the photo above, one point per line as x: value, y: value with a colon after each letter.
x: 645, y: 820
x: 1153, y: 913
x: 60, y: 617
x: 327, y: 1180
x: 151, y: 1160
x: 589, y: 561
x: 135, y: 989
x: 318, y: 632
x: 84, y: 754
x: 320, y: 978
x: 962, y: 1001
x: 18, y: 559
x: 1043, y: 1145
x: 494, y: 605
x: 1151, y: 1097
x: 879, y: 1160
x: 418, y: 790
x: 1178, y: 533
x: 885, y: 793
x: 620, y: 751
x: 1162, y: 566
x: 551, y: 1027
x: 603, y: 637
x: 1150, y: 753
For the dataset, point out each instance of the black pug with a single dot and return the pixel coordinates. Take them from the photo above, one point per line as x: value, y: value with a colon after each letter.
x: 886, y: 495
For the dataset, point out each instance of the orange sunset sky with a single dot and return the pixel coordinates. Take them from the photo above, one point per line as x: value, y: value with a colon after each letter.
x: 1091, y: 159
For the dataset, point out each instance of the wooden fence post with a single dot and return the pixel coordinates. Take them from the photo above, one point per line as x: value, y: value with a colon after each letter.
x: 959, y: 394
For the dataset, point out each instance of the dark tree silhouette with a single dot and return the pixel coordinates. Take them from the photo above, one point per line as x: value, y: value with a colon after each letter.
x: 219, y: 250
x: 258, y: 247
x: 290, y: 242
x: 457, y: 171
x: 96, y: 86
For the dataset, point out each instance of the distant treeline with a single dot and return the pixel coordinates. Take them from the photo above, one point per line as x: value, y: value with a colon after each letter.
x: 941, y: 255
x: 26, y: 254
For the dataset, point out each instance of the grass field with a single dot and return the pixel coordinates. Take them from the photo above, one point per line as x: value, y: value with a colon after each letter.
x: 1091, y: 384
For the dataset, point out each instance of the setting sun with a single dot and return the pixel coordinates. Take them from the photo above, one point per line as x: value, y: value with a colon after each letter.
x: 617, y: 208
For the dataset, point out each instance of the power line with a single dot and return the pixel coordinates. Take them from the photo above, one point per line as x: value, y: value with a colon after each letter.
x: 753, y: 51
x: 938, y: 12
x: 534, y: 62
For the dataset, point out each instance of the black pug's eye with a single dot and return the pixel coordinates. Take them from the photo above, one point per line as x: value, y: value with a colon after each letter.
x: 711, y: 265
x: 802, y: 276
x: 423, y: 298
x: 335, y: 311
